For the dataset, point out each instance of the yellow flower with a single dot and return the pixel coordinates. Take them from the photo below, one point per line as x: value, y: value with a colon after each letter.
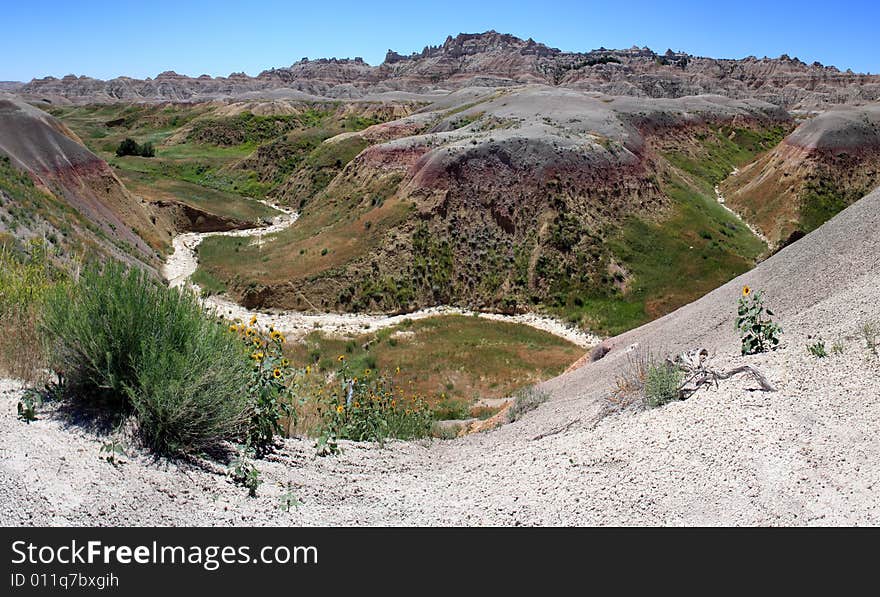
x: 308, y: 368
x: 746, y: 291
x: 257, y: 355
x: 276, y: 335
x: 357, y: 404
x: 233, y: 328
x: 276, y: 373
x: 397, y: 370
x: 366, y: 372
x: 340, y: 358
x: 253, y: 320
x: 340, y: 409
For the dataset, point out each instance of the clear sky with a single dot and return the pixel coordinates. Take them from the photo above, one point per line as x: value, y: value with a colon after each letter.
x: 105, y: 39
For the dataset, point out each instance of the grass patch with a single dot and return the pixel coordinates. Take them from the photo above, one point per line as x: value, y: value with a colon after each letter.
x: 229, y: 205
x: 26, y: 277
x: 450, y: 360
x: 208, y: 283
x: 323, y: 239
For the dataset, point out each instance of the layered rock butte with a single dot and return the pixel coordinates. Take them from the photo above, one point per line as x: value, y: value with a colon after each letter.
x: 496, y: 60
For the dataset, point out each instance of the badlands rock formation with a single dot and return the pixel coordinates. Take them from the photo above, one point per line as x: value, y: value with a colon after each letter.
x: 494, y: 59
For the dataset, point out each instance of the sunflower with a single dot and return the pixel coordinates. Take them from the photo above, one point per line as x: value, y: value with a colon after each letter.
x: 746, y: 291
x: 253, y: 320
x: 257, y: 356
x: 276, y: 373
x: 340, y: 358
x: 340, y: 409
x: 308, y: 369
x: 276, y: 335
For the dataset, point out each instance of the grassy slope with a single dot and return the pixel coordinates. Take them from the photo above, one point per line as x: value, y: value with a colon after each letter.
x: 26, y: 211
x: 449, y: 358
x: 341, y: 228
x: 693, y: 248
x: 206, y: 199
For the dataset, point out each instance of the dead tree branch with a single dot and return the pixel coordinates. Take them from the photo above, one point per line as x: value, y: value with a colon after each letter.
x: 699, y: 373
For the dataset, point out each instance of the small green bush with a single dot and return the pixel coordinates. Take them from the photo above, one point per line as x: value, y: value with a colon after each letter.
x: 131, y: 344
x: 817, y: 349
x: 758, y: 332
x: 662, y: 384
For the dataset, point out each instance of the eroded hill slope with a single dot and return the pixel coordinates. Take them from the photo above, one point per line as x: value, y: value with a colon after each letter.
x: 826, y: 164
x: 55, y: 188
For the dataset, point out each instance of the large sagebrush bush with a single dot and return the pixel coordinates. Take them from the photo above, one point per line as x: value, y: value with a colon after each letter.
x: 126, y: 342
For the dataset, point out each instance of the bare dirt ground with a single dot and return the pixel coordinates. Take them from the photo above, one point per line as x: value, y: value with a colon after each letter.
x: 805, y: 455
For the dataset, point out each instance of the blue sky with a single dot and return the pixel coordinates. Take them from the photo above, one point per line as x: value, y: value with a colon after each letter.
x: 109, y: 38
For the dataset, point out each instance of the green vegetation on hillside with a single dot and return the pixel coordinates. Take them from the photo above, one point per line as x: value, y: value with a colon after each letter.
x: 822, y: 198
x: 723, y: 150
x: 245, y: 155
x: 26, y: 211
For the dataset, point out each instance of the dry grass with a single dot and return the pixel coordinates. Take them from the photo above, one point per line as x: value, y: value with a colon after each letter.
x: 21, y: 352
x: 629, y: 382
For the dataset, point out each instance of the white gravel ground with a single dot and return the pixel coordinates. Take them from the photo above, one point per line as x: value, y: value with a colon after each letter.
x: 805, y: 455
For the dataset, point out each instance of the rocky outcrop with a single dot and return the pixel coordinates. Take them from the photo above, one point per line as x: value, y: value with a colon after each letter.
x: 495, y: 59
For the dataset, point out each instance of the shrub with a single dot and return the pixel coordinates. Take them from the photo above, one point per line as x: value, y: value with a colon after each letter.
x: 368, y: 407
x: 647, y: 379
x: 871, y: 334
x: 525, y: 400
x: 629, y: 383
x: 136, y: 346
x: 448, y: 409
x: 662, y: 384
x: 817, y: 349
x: 131, y: 147
x: 757, y: 331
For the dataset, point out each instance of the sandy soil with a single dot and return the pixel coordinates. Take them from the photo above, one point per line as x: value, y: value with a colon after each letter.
x: 805, y: 455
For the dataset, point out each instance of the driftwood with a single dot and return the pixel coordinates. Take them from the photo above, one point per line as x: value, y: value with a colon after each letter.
x: 699, y: 373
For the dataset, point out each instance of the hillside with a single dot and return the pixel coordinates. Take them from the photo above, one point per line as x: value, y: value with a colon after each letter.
x: 826, y: 164
x: 53, y: 187
x: 508, y: 199
x: 493, y: 59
